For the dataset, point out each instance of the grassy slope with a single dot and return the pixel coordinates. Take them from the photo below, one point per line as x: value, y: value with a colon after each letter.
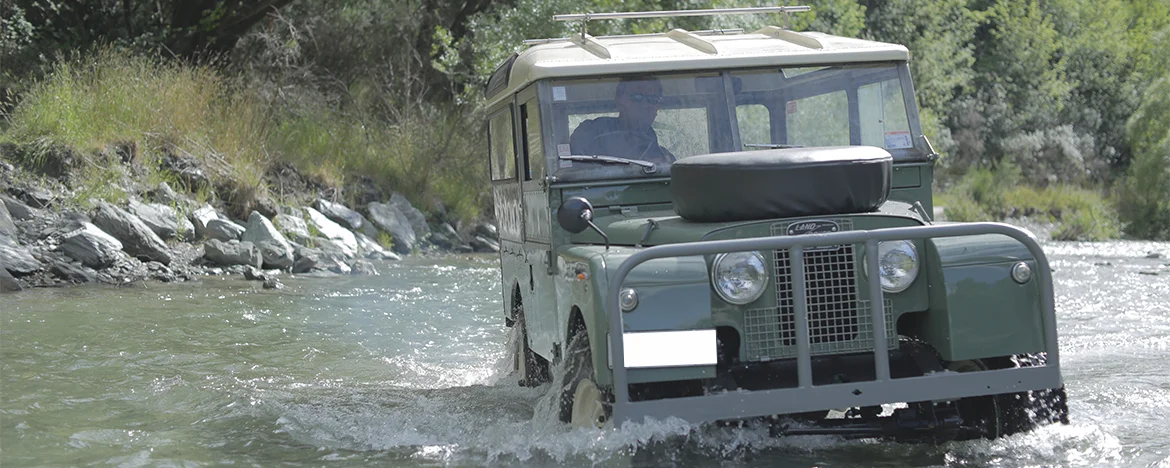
x: 116, y: 106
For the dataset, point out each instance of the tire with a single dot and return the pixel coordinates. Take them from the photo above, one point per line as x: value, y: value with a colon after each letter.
x: 532, y: 369
x: 583, y: 403
x: 1010, y: 413
x: 1025, y: 411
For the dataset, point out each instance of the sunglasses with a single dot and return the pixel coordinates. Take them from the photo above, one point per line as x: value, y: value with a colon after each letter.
x: 647, y: 98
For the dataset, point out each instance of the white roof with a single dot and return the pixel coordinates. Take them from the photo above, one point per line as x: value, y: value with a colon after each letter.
x: 679, y: 50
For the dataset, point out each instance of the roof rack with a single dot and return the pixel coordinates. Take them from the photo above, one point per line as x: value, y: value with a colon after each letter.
x: 677, y: 13
x: 689, y: 38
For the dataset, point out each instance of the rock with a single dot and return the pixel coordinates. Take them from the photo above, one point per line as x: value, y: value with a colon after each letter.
x: 307, y: 259
x: 34, y: 196
x: 311, y: 260
x: 481, y: 244
x: 391, y: 220
x: 7, y: 282
x: 91, y: 246
x: 73, y: 273
x: 16, y: 258
x: 232, y: 253
x: 17, y: 209
x: 441, y: 241
x: 165, y: 195
x: 293, y: 227
x: 417, y: 220
x: 487, y: 230
x: 451, y: 232
x: 346, y: 217
x: 273, y: 283
x: 1154, y: 255
x: 224, y: 230
x: 370, y: 249
x: 200, y: 217
x: 362, y: 267
x: 7, y: 227
x: 274, y: 248
x: 160, y: 272
x: 137, y: 239
x: 333, y: 231
x: 163, y: 220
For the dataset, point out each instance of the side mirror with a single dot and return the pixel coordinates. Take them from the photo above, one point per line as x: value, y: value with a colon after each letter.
x: 575, y: 215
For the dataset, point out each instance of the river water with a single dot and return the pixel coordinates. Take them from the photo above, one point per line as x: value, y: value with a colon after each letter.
x: 409, y: 368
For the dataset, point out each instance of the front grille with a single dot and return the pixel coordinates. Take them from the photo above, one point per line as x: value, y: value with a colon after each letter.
x: 839, y: 321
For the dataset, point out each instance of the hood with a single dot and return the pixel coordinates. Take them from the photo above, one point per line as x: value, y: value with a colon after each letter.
x: 659, y: 225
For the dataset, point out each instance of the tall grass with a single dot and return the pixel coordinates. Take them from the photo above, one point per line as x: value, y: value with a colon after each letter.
x: 95, y: 103
x: 108, y: 107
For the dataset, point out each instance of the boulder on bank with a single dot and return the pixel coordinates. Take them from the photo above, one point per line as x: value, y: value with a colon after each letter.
x: 390, y: 219
x: 275, y: 250
x: 232, y: 253
x: 483, y: 244
x: 17, y: 209
x: 371, y: 249
x: 137, y: 239
x: 163, y: 220
x: 292, y: 227
x: 7, y: 282
x: 333, y: 231
x: 418, y: 221
x: 7, y: 227
x: 16, y: 258
x: 346, y: 217
x: 73, y: 273
x: 91, y: 246
x: 224, y: 230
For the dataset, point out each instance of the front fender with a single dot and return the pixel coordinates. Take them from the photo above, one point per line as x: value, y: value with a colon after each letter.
x: 981, y: 311
x: 674, y: 294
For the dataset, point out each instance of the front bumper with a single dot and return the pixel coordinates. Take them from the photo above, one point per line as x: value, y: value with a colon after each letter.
x: 809, y: 395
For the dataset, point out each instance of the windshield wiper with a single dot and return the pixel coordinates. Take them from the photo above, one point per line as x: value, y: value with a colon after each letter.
x: 770, y: 145
x: 647, y: 167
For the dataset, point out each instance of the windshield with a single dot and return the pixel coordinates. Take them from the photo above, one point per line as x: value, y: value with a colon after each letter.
x: 638, y: 125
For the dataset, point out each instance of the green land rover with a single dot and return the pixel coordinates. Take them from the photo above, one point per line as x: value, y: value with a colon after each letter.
x: 738, y: 226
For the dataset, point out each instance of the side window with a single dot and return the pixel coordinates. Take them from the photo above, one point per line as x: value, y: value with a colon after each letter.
x: 755, y: 125
x: 821, y: 120
x: 883, y: 115
x: 501, y: 145
x: 534, y: 148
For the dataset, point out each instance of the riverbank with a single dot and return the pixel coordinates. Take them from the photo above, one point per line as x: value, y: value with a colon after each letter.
x: 55, y: 232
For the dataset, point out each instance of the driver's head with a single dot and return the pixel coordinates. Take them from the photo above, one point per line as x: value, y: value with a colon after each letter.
x: 638, y: 99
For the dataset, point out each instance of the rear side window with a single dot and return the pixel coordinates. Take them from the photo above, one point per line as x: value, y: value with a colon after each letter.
x: 502, y: 145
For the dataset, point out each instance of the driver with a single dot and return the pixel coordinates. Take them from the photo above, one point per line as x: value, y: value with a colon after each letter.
x: 628, y: 135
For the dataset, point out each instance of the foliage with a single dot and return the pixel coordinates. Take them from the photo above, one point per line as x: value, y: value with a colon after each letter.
x: 1056, y: 94
x: 986, y: 195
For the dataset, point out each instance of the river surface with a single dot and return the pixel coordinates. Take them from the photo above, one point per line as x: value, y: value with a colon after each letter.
x: 409, y: 368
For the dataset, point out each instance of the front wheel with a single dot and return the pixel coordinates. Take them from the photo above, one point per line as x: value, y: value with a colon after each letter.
x: 583, y: 403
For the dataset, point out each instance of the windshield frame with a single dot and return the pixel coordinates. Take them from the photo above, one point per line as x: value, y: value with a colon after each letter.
x: 918, y: 151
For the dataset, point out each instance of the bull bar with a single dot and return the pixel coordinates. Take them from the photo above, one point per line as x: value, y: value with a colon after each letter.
x: 740, y: 404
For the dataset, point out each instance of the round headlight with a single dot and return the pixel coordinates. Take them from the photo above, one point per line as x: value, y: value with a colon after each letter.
x: 739, y: 277
x: 897, y: 264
